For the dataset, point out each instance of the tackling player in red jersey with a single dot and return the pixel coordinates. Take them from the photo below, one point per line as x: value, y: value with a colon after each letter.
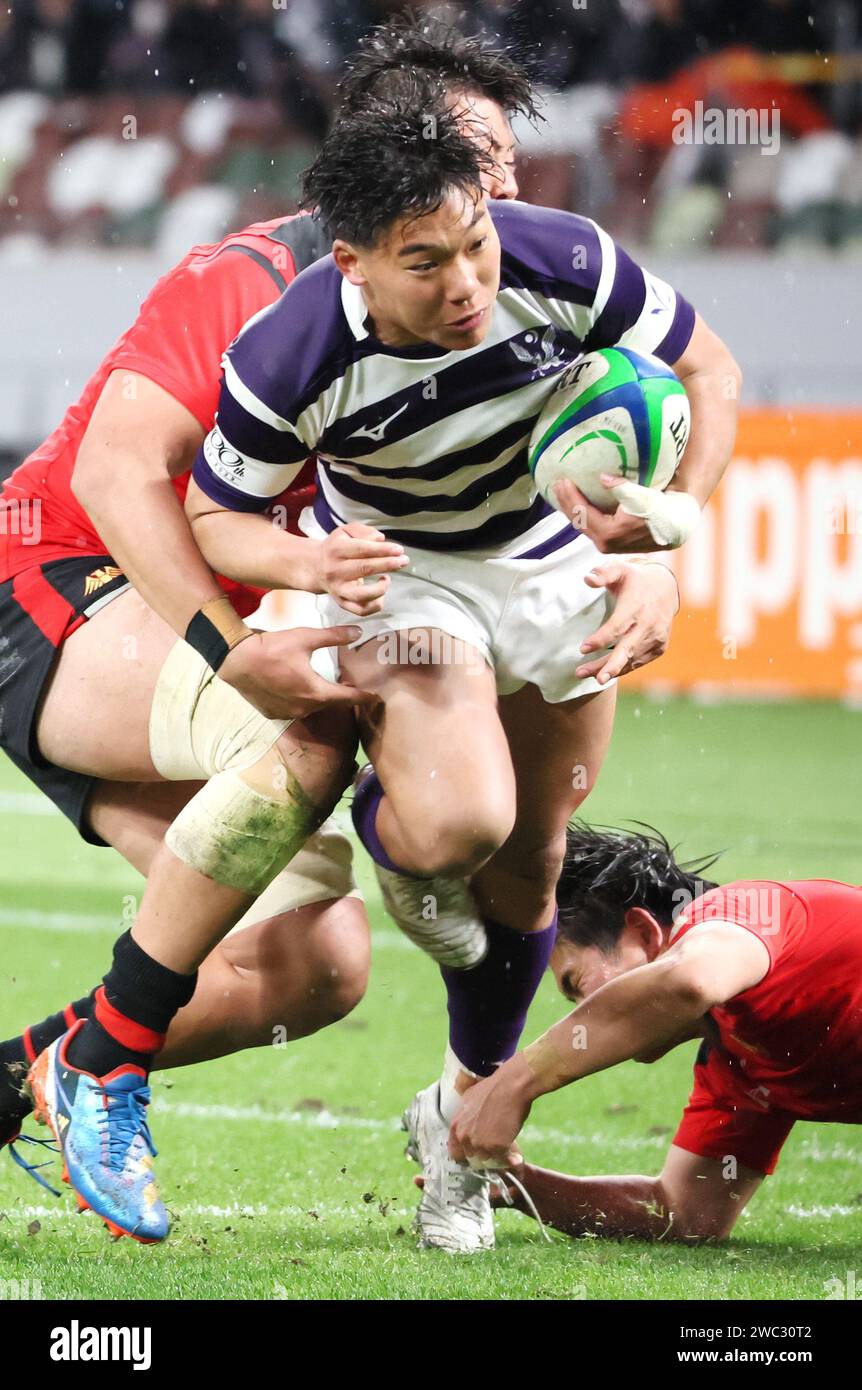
x: 141, y: 415
x: 769, y: 973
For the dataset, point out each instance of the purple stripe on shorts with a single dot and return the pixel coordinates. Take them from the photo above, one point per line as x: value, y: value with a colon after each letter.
x: 548, y: 547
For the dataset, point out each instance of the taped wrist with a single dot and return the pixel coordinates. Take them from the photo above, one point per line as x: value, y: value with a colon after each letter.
x: 670, y: 516
x: 215, y: 630
x: 546, y: 1064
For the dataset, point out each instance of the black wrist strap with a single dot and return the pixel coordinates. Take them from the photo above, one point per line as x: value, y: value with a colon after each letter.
x: 215, y: 630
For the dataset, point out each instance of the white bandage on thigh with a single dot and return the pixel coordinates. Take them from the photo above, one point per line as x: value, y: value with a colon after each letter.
x: 252, y: 816
x: 322, y: 871
x: 200, y: 725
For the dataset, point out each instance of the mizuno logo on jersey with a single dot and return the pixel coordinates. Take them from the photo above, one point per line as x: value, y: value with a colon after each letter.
x: 100, y: 577
x: 376, y: 432
x: 661, y: 305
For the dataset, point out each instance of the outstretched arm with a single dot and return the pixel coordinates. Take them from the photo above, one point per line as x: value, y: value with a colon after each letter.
x: 691, y: 1200
x: 635, y: 1014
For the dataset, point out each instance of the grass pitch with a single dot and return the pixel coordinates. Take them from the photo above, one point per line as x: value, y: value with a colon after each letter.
x: 284, y: 1167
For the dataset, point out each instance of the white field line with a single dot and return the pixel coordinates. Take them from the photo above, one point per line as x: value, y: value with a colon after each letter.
x: 26, y: 804
x: 325, y: 1119
x: 31, y: 919
x: 242, y: 1211
x: 836, y: 1152
x: 35, y: 804
x: 236, y: 1210
x: 823, y: 1213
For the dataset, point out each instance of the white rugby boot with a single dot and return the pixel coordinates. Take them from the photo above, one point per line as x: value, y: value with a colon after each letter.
x: 438, y: 914
x: 455, y: 1211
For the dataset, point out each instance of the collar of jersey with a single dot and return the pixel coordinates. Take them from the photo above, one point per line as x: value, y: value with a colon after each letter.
x: 356, y: 313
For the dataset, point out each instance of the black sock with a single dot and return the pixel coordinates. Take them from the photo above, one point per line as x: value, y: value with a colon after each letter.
x: 17, y: 1053
x: 132, y: 1013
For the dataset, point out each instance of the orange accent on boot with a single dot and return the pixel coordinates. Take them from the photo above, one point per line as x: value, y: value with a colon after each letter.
x: 35, y: 1084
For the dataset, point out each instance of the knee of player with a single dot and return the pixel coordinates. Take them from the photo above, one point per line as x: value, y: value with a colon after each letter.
x: 696, y: 1230
x: 536, y: 866
x: 460, y: 846
x: 695, y: 1220
x: 343, y: 960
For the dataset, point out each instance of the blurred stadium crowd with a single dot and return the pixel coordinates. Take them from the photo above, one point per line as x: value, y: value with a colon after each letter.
x: 164, y: 122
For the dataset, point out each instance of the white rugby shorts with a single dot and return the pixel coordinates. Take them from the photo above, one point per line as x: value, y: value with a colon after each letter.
x: 526, y: 618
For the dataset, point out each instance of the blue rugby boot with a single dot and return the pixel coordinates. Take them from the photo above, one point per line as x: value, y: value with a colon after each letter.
x: 100, y: 1125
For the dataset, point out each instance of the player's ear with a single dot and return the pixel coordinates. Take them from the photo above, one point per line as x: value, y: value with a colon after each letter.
x: 346, y: 257
x: 643, y: 928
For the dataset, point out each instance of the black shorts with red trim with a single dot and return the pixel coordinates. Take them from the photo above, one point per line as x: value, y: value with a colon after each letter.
x: 39, y: 608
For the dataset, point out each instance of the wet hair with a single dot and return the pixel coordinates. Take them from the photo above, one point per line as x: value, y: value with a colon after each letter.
x: 394, y: 159
x: 607, y: 871
x: 395, y: 58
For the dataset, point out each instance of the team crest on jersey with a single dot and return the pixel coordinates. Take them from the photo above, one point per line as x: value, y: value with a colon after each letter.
x: 99, y: 578
x: 544, y: 353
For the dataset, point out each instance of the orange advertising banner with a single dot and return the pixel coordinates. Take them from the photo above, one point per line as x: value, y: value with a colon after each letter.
x: 771, y: 583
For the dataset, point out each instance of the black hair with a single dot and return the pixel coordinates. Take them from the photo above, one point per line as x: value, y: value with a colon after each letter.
x: 395, y: 57
x: 391, y: 160
x: 607, y: 871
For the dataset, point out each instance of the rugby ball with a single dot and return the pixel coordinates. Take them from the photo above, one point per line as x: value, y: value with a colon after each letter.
x: 613, y: 411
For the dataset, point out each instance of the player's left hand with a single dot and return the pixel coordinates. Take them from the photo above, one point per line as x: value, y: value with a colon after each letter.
x: 491, y: 1116
x: 647, y: 599
x: 621, y: 532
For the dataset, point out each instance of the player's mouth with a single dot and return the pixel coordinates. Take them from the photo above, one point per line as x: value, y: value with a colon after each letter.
x: 469, y: 323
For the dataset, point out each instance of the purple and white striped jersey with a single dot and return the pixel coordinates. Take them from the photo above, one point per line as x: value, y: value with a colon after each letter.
x: 429, y: 445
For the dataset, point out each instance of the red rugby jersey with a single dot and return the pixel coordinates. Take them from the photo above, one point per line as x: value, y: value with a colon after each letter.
x: 797, y: 1035
x: 185, y: 324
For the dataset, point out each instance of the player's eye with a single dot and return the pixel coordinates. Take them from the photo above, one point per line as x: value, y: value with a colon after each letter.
x: 478, y: 245
x: 570, y: 989
x: 421, y: 268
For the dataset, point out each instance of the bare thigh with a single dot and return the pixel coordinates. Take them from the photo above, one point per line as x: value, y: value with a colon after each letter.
x: 440, y: 752
x: 95, y: 710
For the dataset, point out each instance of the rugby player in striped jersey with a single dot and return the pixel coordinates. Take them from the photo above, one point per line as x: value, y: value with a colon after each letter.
x: 104, y: 484
x: 414, y: 362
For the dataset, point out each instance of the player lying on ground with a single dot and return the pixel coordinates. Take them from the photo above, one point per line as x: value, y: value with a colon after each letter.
x: 105, y: 482
x: 395, y: 361
x: 768, y: 972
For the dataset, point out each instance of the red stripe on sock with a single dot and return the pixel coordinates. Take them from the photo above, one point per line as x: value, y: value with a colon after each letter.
x: 125, y: 1030
x: 70, y: 1016
x: 28, y: 1045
